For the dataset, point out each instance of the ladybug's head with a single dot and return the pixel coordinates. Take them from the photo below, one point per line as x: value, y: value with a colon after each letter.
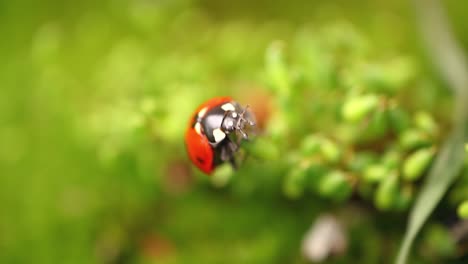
x: 236, y: 121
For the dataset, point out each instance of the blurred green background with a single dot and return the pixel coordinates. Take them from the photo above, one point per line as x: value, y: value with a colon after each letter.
x: 96, y: 95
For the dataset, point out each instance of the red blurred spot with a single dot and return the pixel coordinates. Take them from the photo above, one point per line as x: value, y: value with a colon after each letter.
x: 260, y: 103
x: 156, y: 247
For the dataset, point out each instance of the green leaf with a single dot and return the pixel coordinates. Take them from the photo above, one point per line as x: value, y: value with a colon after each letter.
x: 375, y: 173
x: 463, y: 210
x: 356, y: 108
x: 335, y: 185
x: 415, y: 165
x: 386, y: 195
x: 426, y: 123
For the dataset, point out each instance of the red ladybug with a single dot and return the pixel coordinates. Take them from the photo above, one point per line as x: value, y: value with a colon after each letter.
x: 212, y: 136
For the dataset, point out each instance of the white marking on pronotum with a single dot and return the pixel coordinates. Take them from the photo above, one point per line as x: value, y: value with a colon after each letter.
x: 228, y: 107
x: 234, y: 114
x: 202, y: 112
x: 198, y: 128
x: 218, y: 135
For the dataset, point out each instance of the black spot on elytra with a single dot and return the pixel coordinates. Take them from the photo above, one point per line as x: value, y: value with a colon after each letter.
x: 200, y: 160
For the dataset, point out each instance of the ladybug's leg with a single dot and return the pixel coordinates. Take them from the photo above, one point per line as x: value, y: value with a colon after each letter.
x: 233, y: 147
x: 248, y: 120
x: 233, y: 163
x: 227, y: 151
x: 244, y: 135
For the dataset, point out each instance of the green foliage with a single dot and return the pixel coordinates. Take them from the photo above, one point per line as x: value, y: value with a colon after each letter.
x: 449, y: 164
x: 360, y: 121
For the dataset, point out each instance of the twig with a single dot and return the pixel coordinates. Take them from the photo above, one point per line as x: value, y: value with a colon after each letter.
x: 444, y: 50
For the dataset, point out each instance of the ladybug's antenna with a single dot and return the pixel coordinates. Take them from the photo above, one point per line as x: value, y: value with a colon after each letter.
x: 241, y: 122
x: 250, y: 121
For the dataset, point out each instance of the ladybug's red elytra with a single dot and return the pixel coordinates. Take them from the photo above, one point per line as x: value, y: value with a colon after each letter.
x: 212, y: 137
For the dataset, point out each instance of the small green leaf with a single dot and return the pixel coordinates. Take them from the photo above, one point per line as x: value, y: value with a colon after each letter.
x: 357, y: 108
x: 415, y: 165
x: 463, y: 210
x: 426, y: 123
x: 375, y: 172
x: 330, y: 151
x: 387, y: 192
x: 413, y: 138
x: 311, y: 145
x: 335, y: 185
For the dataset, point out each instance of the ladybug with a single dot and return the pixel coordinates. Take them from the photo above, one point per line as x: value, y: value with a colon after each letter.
x: 215, y: 131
